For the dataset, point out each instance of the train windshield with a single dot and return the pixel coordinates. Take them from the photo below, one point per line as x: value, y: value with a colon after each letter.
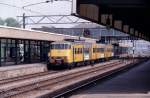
x: 101, y: 49
x: 60, y: 46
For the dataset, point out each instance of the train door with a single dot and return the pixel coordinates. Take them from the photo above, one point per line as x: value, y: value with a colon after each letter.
x: 86, y: 52
x: 73, y: 53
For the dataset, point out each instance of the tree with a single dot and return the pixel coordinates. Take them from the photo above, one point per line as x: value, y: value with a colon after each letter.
x: 1, y: 22
x: 12, y: 22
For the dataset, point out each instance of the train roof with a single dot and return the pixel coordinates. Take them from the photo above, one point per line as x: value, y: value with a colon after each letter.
x: 84, y: 43
x: 60, y: 42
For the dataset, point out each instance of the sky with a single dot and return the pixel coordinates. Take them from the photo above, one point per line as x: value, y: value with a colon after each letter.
x: 51, y: 8
x: 57, y: 7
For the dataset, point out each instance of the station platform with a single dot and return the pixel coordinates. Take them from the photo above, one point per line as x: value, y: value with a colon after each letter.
x: 131, y: 83
x: 21, y: 70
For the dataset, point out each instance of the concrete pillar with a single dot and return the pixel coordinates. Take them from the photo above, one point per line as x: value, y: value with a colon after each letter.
x: 0, y: 53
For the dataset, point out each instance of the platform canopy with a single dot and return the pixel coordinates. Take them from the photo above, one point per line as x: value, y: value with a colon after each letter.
x: 129, y: 16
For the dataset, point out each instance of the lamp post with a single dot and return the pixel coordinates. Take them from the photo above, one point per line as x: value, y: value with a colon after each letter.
x: 24, y: 17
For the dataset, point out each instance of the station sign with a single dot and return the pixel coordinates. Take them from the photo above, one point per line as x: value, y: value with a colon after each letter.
x: 132, y: 31
x: 118, y: 24
x: 136, y: 33
x: 89, y: 11
x: 107, y: 19
x: 126, y: 28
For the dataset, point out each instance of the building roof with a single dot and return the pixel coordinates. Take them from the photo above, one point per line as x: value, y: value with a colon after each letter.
x: 12, y: 32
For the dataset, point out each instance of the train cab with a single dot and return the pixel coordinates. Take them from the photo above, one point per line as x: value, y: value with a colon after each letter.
x: 60, y: 53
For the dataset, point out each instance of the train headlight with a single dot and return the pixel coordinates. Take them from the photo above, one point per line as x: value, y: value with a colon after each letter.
x: 51, y: 59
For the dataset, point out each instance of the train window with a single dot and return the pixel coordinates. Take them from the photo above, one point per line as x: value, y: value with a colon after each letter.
x: 78, y: 50
x: 75, y: 51
x: 57, y: 46
x: 66, y: 46
x: 98, y: 49
x: 69, y: 46
x: 81, y: 51
x: 60, y: 46
x: 86, y: 50
x: 101, y: 49
x: 52, y: 46
x: 93, y: 50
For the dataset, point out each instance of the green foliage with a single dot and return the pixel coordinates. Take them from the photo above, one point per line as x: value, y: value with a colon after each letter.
x: 12, y: 22
x: 1, y: 22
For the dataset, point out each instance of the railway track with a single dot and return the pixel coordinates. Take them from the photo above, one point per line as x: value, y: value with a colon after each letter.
x: 49, y: 83
x: 10, y: 80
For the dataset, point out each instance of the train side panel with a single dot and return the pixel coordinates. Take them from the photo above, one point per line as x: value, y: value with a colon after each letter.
x: 100, y: 53
x: 93, y: 52
x: 108, y: 52
x: 77, y: 53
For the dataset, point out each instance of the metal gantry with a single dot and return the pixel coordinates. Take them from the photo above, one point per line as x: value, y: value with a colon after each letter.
x: 51, y: 19
x: 47, y: 1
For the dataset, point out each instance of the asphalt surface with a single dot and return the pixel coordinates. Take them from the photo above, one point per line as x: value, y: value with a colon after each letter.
x: 132, y: 81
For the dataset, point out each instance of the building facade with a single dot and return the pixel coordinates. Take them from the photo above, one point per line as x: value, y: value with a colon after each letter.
x: 17, y: 51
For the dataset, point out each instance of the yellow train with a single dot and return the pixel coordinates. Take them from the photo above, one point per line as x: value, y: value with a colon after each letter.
x: 69, y: 54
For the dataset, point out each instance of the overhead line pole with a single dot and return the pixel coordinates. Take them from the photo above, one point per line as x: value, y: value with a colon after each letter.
x: 24, y: 17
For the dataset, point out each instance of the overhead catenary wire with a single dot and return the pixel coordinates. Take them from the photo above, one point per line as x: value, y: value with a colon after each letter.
x: 14, y: 6
x: 29, y: 10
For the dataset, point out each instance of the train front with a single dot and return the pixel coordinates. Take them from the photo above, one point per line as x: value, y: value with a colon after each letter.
x: 60, y: 54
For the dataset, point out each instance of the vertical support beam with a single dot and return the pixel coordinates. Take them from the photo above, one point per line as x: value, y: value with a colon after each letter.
x: 99, y: 16
x: 0, y: 54
x: 16, y: 53
x: 29, y: 51
x: 74, y: 7
x: 41, y: 51
x: 24, y: 42
x: 140, y: 35
x: 136, y: 33
x: 113, y: 22
x: 24, y: 20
